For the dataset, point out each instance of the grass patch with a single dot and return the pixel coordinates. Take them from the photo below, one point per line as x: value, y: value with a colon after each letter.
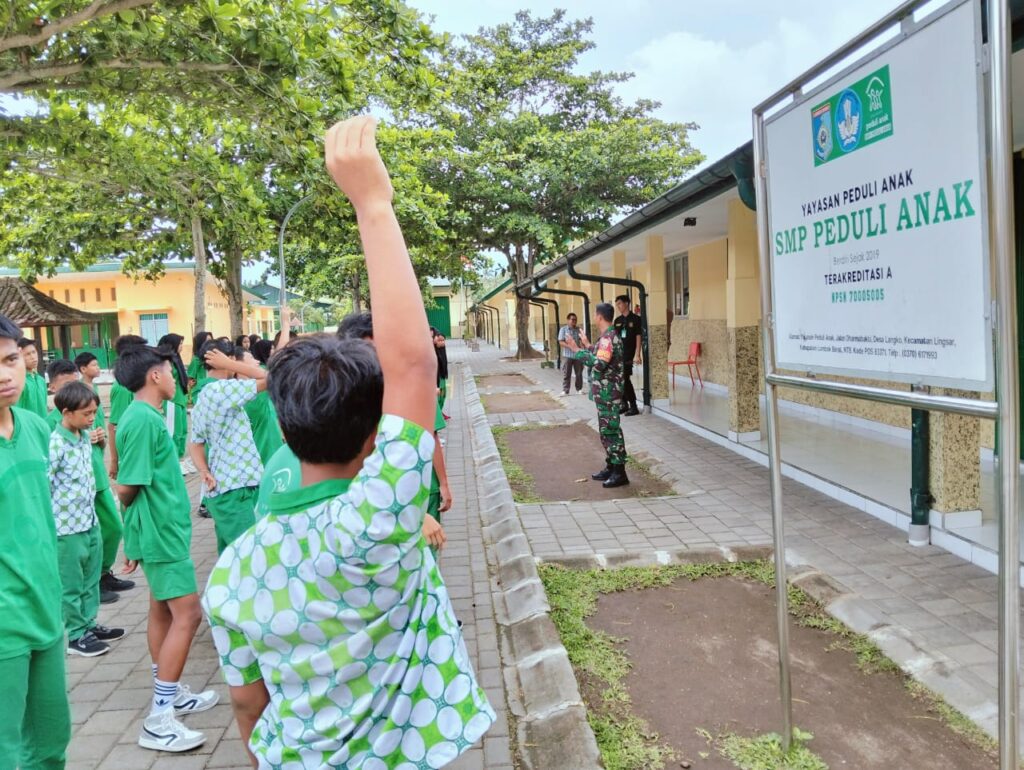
x: 765, y: 752
x: 521, y: 482
x: 626, y: 741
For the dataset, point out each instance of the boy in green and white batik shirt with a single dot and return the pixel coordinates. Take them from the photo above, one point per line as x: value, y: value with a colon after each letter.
x: 222, y: 445
x: 79, y: 548
x: 335, y: 630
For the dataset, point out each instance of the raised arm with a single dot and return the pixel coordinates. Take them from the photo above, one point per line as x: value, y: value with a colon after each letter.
x: 400, y: 332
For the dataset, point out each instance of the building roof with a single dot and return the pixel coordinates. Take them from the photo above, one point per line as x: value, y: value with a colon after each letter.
x: 101, y: 267
x: 28, y: 307
x: 496, y: 289
x: 271, y: 294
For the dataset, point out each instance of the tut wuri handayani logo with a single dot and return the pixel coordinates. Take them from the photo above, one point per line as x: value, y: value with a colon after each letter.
x: 858, y: 115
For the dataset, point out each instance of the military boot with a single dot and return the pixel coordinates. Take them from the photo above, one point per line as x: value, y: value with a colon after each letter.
x: 617, y: 478
x: 602, y: 475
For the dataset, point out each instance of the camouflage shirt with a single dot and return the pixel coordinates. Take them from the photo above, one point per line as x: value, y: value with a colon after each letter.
x: 605, y: 360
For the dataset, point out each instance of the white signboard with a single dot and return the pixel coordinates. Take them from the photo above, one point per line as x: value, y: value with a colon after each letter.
x: 878, y: 215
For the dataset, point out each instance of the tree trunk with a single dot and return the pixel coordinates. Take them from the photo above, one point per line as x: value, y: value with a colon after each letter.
x: 199, y: 253
x: 233, y: 287
x: 522, y: 268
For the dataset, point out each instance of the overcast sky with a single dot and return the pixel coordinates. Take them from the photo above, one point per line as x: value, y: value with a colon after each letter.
x: 707, y: 62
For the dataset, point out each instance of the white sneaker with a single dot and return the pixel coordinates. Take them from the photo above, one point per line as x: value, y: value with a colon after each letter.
x: 187, y: 467
x: 162, y: 732
x: 189, y: 702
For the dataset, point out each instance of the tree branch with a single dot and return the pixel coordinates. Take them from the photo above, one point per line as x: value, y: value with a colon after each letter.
x: 95, y: 10
x: 34, y: 77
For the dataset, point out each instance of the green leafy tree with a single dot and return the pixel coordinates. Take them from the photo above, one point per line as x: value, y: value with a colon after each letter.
x: 542, y: 155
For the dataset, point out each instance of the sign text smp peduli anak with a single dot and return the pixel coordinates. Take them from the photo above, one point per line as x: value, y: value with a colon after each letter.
x: 922, y: 209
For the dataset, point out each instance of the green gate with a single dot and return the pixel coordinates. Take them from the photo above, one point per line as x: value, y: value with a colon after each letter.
x: 440, y: 316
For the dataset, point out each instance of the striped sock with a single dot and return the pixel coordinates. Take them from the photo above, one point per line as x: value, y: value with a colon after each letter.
x: 156, y: 669
x: 164, y: 694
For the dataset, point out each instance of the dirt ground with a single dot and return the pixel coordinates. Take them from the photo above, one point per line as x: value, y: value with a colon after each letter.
x: 720, y: 674
x: 506, y: 403
x: 556, y: 457
x: 504, y: 381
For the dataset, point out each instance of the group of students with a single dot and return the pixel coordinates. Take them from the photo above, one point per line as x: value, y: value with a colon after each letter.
x: 335, y: 631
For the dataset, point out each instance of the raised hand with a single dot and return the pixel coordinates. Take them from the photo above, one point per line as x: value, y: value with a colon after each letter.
x: 350, y: 151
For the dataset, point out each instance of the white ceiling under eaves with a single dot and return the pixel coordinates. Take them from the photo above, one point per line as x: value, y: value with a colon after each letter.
x: 712, y: 225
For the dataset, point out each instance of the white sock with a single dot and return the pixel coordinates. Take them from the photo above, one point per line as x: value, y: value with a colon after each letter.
x: 164, y: 694
x: 156, y: 670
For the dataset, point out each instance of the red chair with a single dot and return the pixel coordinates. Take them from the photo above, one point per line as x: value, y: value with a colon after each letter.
x: 691, y: 361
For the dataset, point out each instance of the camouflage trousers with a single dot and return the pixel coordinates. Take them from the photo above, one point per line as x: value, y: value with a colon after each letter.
x: 611, y: 432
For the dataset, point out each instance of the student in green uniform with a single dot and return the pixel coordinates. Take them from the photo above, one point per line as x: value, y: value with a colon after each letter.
x: 73, y: 495
x: 178, y: 412
x: 157, y: 537
x: 60, y: 372
x: 111, y: 525
x: 196, y: 372
x: 221, y: 429
x: 262, y: 417
x: 33, y: 397
x: 36, y: 723
x: 120, y: 397
x: 306, y: 691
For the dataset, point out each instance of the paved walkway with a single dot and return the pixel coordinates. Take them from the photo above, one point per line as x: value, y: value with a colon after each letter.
x: 930, y: 610
x: 110, y: 695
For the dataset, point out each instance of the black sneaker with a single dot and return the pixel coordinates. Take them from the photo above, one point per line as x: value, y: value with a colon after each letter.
x: 88, y: 646
x: 203, y: 513
x: 108, y: 597
x: 110, y: 582
x: 105, y: 634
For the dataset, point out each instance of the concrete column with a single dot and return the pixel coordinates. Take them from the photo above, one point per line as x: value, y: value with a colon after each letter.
x: 657, y: 316
x: 743, y: 313
x: 954, y: 467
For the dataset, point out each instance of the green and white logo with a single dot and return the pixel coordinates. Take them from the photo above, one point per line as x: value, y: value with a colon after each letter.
x: 856, y: 116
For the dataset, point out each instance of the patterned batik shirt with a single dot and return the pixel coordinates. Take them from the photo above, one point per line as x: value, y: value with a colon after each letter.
x: 219, y: 420
x: 72, y: 482
x: 338, y: 606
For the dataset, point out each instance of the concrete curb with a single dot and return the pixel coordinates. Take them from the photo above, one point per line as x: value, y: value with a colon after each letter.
x: 551, y: 722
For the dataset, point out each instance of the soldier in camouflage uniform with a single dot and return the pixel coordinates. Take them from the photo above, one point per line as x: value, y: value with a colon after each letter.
x: 605, y: 359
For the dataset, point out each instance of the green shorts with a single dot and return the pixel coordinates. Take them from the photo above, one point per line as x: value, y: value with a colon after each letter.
x: 170, y: 579
x: 233, y: 513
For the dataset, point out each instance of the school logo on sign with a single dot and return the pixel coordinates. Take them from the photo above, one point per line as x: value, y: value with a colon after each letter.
x: 821, y: 125
x: 857, y: 116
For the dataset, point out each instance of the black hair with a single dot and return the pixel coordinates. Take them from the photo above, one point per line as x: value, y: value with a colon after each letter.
x: 24, y: 342
x: 75, y: 396
x: 356, y: 326
x: 253, y: 339
x: 241, y: 338
x: 199, y: 340
x: 623, y: 298
x: 125, y: 341
x: 239, y: 353
x: 571, y: 315
x: 135, y: 364
x: 58, y: 367
x: 328, y: 393
x: 171, y: 343
x: 605, y: 310
x: 223, y: 344
x: 84, y: 358
x: 9, y: 330
x: 262, y: 350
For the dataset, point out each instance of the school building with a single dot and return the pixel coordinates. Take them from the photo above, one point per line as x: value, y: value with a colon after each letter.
x: 694, y: 253
x: 150, y: 308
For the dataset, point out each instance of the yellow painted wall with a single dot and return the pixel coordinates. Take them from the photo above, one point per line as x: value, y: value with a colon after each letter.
x: 171, y: 294
x: 708, y: 266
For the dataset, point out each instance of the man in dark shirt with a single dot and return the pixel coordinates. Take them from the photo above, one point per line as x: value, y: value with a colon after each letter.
x: 629, y: 329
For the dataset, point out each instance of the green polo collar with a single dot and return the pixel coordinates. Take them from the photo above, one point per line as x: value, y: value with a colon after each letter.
x: 304, y: 498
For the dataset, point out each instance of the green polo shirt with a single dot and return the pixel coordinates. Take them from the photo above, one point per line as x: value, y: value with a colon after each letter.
x: 33, y: 397
x: 30, y: 589
x: 157, y: 527
x: 120, y: 398
x: 265, y: 430
x: 280, y: 474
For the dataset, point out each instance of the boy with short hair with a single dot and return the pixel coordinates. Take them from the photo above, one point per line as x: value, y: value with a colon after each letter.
x: 157, y: 536
x: 221, y: 429
x: 36, y: 725
x: 73, y: 494
x: 111, y: 525
x: 348, y: 623
x: 33, y: 397
x: 59, y: 373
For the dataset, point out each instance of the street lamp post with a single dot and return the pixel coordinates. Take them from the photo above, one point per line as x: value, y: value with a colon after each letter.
x: 280, y: 244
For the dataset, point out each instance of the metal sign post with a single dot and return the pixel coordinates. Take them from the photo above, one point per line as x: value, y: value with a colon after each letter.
x: 882, y: 267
